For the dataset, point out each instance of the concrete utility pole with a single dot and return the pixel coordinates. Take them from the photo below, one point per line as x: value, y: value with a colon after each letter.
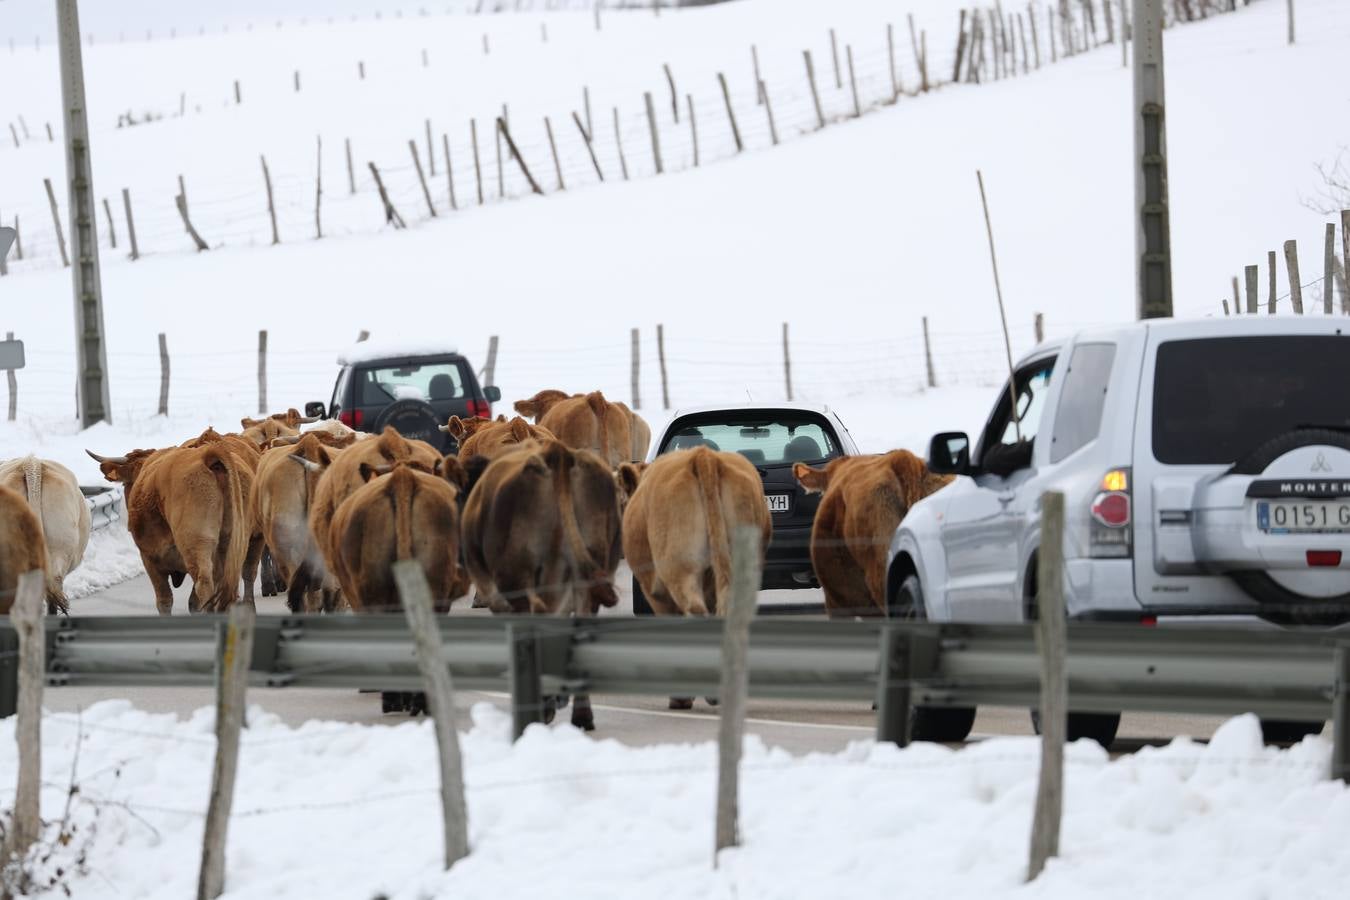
x: 91, y: 354
x: 1153, y: 241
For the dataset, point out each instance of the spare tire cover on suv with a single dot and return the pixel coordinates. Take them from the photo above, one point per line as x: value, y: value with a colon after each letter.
x: 1289, y: 467
x: 414, y: 419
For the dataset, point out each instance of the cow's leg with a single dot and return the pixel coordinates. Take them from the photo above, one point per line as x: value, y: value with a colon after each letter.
x: 583, y: 716
x: 159, y: 581
x: 298, y: 589
x: 252, y: 560
x: 200, y: 560
x: 687, y: 590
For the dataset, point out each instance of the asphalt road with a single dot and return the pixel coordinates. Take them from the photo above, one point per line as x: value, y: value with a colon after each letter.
x: 796, y: 726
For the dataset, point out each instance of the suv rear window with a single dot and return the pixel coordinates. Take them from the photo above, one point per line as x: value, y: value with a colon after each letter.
x: 1215, y: 400
x: 428, y: 382
x: 765, y: 440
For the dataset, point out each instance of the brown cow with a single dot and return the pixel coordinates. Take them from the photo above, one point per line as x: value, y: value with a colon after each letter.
x: 640, y: 432
x: 678, y: 525
x: 187, y: 510
x: 865, y: 497
x: 287, y: 424
x: 492, y: 439
x: 21, y: 546
x: 584, y: 422
x: 406, y: 514
x: 248, y: 454
x: 340, y: 481
x: 541, y: 535
x: 54, y: 493
x: 280, y: 504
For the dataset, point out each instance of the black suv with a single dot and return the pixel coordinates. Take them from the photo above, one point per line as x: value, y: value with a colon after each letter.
x: 414, y: 393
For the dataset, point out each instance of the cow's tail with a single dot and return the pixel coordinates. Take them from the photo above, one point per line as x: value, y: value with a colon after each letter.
x: 235, y: 528
x: 594, y: 584
x: 708, y: 471
x: 402, y: 488
x: 600, y: 407
x: 32, y: 482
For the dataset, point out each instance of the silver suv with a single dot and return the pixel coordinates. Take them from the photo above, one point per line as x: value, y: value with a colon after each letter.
x: 1205, y: 467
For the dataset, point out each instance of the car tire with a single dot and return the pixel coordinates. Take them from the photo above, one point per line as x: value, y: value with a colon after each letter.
x: 939, y: 724
x: 1100, y: 727
x: 1286, y: 731
x: 640, y: 605
x: 414, y: 419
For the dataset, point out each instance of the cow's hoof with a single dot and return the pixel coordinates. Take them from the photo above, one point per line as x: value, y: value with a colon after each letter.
x: 711, y: 701
x: 585, y: 723
x: 681, y: 702
x: 417, y: 704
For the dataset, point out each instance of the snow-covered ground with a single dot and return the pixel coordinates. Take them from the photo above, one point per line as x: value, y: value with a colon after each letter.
x: 349, y: 811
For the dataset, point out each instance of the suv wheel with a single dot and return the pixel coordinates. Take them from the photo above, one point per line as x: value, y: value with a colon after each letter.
x: 1283, y: 731
x: 1100, y: 727
x: 940, y: 724
x: 414, y: 419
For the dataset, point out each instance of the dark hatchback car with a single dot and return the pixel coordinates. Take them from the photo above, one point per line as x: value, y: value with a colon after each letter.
x: 773, y: 438
x: 414, y: 392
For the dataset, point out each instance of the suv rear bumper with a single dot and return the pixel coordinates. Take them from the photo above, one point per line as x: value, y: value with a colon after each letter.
x: 787, y: 562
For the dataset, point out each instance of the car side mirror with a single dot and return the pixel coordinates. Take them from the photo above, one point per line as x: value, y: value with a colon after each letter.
x: 492, y: 393
x: 315, y: 409
x: 949, y: 453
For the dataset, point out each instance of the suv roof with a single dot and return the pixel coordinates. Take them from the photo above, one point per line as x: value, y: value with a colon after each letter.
x: 378, y: 351
x: 1228, y: 326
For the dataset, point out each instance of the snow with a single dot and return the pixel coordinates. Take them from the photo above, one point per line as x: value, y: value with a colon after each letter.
x: 110, y: 559
x: 352, y: 811
x: 383, y: 348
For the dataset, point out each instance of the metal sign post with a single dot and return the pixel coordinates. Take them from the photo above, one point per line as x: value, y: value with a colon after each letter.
x: 91, y: 383
x: 6, y: 241
x: 1153, y: 250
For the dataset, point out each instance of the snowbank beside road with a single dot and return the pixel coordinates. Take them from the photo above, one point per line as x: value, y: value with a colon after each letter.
x: 351, y: 811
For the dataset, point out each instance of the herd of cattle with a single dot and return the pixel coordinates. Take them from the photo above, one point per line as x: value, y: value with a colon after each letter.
x: 534, y: 516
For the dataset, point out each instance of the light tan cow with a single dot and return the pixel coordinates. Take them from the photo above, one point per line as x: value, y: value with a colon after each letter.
x: 678, y: 526
x: 248, y: 453
x: 405, y: 514
x: 21, y: 546
x: 54, y: 493
x: 865, y: 497
x: 287, y: 479
x: 492, y: 439
x: 640, y: 432
x: 584, y: 422
x: 263, y: 431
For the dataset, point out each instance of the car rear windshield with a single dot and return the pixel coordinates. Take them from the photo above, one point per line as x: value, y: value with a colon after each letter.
x: 430, y: 382
x: 1216, y: 400
x: 764, y: 439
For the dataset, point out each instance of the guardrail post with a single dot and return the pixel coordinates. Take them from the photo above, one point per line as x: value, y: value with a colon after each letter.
x: 1340, y: 728
x: 527, y: 692
x: 9, y: 669
x: 27, y: 618
x: 894, y: 703
x: 746, y: 561
x: 1051, y: 640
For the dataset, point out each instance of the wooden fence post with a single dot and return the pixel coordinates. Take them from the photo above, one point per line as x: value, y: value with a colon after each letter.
x: 361, y: 70
x: 815, y: 95
x: 515, y: 152
x: 618, y: 141
x: 131, y: 224
x: 890, y: 61
x: 960, y: 48
x: 1289, y: 7
x: 351, y: 171
x: 112, y: 227
x: 391, y: 216
x: 590, y: 148
x: 553, y: 149
x: 1225, y: 307
x: 296, y: 80
x: 1050, y: 637
x: 746, y: 552
x: 18, y: 239
x: 1040, y: 328
x: 1237, y: 302
x: 238, y: 98
x: 490, y: 368
x: 661, y: 359
x: 853, y: 82
x: 318, y: 187
x: 919, y: 61
x: 262, y: 372
x: 477, y: 167
x: 768, y: 109
x: 527, y: 691
x: 787, y: 362
x: 14, y: 134
x: 1022, y: 39
x: 1251, y: 274
x: 928, y: 356
x: 181, y: 202
x: 422, y: 622
x: 637, y: 362
x: 431, y: 152
x: 674, y: 97
x: 421, y: 177
x: 731, y: 113
x: 26, y: 615
x: 754, y: 64
x: 834, y: 53
x: 163, y: 375
x: 1035, y: 40
x: 271, y: 206
x: 1328, y: 264
x: 56, y: 221
x: 449, y: 170
x: 501, y: 173
x: 651, y: 126
x: 234, y: 652
x: 13, y: 383
x: 693, y: 126
x: 1271, y: 266
x: 586, y: 106
x: 1295, y: 286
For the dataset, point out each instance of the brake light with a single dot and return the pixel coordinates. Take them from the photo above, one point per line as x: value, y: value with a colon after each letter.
x: 352, y: 418
x: 1330, y: 558
x: 1111, y: 529
x: 480, y: 409
x: 1148, y: 621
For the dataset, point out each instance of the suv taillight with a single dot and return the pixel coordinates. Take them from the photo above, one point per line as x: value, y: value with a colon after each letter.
x: 1111, y: 530
x: 480, y: 409
x: 351, y: 418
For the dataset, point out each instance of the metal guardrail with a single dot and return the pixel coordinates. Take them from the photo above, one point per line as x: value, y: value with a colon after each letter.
x: 105, y: 505
x: 1278, y: 675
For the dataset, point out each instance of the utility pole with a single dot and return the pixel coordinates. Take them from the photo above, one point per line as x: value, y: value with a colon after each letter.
x: 91, y: 354
x: 1153, y: 253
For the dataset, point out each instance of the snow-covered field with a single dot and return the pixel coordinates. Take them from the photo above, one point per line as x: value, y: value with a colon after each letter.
x: 347, y: 811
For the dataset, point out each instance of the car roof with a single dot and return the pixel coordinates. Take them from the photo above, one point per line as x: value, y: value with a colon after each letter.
x: 1213, y: 326
x: 819, y: 408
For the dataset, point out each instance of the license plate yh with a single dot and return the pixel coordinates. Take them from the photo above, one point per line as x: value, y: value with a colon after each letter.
x: 1303, y: 517
x: 779, y: 503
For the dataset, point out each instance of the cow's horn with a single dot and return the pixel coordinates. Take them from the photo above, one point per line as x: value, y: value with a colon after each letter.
x: 445, y: 428
x: 288, y: 439
x: 307, y: 420
x: 115, y: 460
x: 309, y: 466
